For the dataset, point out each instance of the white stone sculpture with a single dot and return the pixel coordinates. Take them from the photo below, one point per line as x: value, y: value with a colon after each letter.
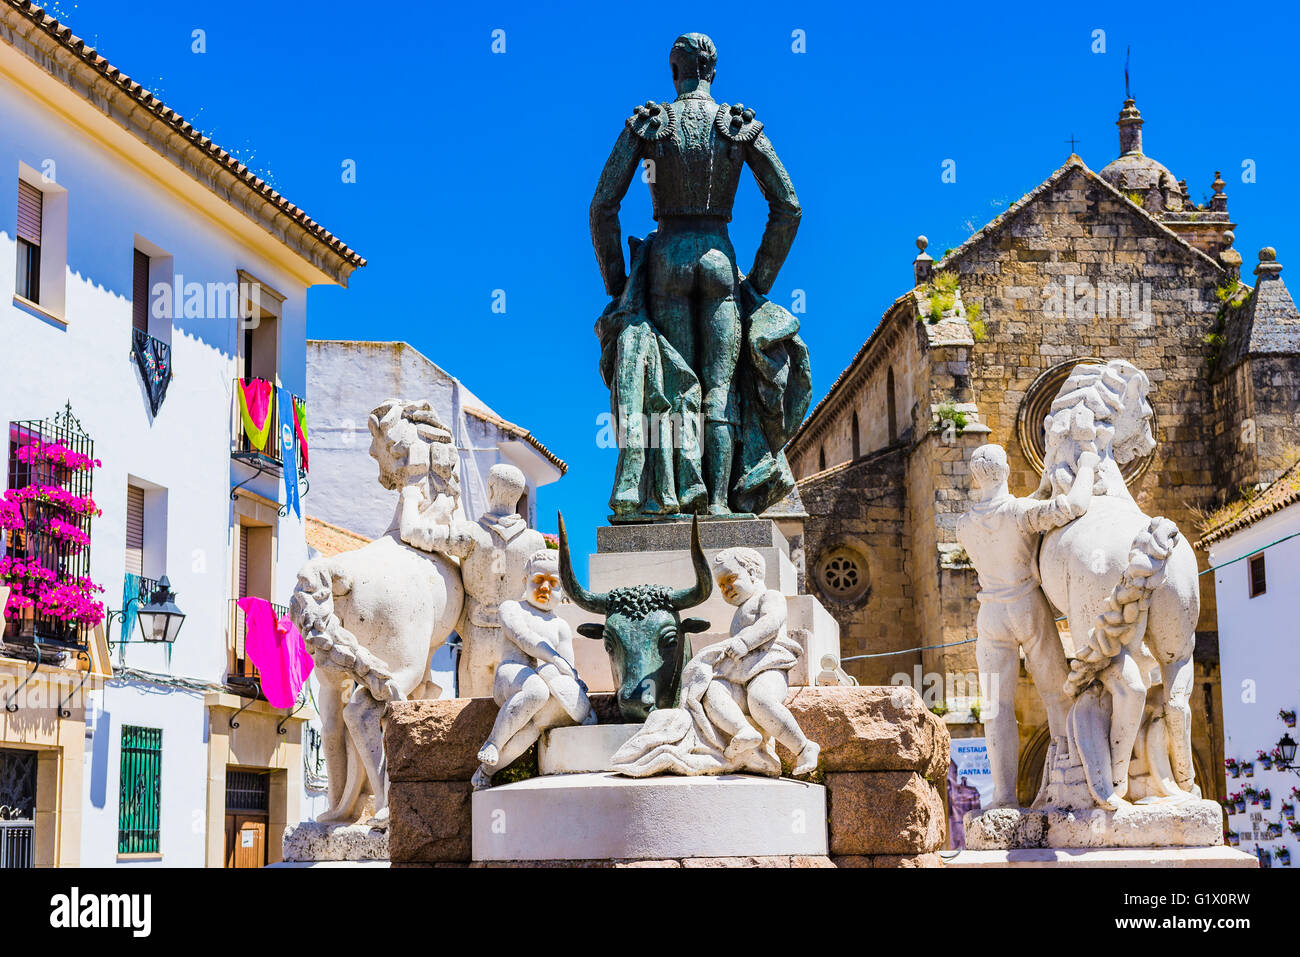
x: 1127, y: 584
x: 732, y: 708
x: 372, y: 618
x: 492, y: 554
x: 1001, y: 534
x: 536, y: 683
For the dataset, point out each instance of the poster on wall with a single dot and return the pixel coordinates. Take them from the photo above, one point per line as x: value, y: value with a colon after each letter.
x: 970, y: 785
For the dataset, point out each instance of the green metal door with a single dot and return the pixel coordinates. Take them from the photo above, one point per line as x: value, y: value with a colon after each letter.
x: 141, y: 797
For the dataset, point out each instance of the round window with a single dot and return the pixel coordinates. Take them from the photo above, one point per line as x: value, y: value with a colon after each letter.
x: 842, y: 574
x: 1037, y: 403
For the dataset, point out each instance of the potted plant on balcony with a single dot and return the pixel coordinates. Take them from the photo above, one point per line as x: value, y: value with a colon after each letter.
x: 1234, y: 769
x: 1288, y: 717
x: 1265, y: 760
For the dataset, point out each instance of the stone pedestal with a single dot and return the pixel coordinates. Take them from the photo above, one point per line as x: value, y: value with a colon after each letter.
x: 881, y: 751
x: 1164, y: 824
x: 598, y: 816
x: 1143, y: 857
x: 660, y: 554
x: 587, y: 747
x: 314, y: 843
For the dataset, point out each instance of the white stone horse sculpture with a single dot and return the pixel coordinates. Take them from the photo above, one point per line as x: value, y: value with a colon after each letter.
x: 1128, y: 586
x: 372, y: 618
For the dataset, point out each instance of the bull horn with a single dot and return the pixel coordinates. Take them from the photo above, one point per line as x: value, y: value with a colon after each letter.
x: 698, y: 593
x: 593, y: 602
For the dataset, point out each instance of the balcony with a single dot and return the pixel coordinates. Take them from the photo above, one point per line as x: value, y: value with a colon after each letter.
x: 269, y: 455
x: 241, y: 673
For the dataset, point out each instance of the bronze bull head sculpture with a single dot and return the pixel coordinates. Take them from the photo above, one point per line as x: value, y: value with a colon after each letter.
x: 647, y: 640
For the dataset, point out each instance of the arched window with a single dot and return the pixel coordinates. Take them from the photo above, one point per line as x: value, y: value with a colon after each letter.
x: 821, y: 459
x: 857, y: 437
x: 890, y: 406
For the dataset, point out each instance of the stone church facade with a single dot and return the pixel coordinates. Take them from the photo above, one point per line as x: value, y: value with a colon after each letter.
x: 1112, y: 264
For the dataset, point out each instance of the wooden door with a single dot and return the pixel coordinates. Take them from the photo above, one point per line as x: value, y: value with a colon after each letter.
x: 245, y: 840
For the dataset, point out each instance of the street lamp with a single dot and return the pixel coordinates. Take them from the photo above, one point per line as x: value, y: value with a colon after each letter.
x: 1286, y: 747
x: 160, y: 620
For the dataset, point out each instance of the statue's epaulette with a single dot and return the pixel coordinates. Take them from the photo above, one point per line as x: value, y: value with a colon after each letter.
x: 737, y: 123
x: 652, y: 121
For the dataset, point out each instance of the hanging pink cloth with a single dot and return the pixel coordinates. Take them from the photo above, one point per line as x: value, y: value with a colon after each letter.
x: 279, y: 652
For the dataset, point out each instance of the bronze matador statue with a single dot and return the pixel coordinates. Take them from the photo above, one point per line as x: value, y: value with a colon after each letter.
x: 687, y: 343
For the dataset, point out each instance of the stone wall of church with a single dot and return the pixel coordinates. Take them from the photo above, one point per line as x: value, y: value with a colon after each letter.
x: 862, y: 506
x: 1029, y: 278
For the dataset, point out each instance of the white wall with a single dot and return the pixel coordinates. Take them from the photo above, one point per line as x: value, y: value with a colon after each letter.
x: 1259, y: 653
x: 185, y: 450
x: 183, y: 720
x: 345, y: 382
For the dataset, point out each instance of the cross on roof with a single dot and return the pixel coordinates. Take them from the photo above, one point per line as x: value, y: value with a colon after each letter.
x: 1072, y: 141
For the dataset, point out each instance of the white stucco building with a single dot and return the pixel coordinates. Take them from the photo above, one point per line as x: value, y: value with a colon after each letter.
x: 1254, y: 550
x: 346, y: 380
x: 114, y: 210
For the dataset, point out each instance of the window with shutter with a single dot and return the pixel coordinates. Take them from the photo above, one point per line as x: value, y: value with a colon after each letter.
x: 134, y: 530
x: 140, y: 797
x: 140, y: 292
x: 243, y: 562
x: 30, y: 208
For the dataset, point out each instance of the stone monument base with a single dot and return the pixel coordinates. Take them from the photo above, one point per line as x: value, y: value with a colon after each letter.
x: 1185, y: 824
x: 587, y: 747
x: 313, y: 843
x: 1105, y: 857
x: 598, y: 816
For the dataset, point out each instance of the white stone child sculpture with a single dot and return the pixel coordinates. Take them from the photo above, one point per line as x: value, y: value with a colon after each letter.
x: 537, y: 683
x: 752, y: 674
x: 1001, y: 535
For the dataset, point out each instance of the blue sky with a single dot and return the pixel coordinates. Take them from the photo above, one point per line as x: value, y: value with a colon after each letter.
x: 475, y: 169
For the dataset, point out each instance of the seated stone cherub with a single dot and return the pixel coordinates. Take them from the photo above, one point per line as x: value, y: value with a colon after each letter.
x: 733, y: 692
x: 752, y: 676
x: 537, y: 683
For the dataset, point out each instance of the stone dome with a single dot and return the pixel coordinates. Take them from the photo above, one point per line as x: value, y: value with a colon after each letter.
x: 1134, y: 171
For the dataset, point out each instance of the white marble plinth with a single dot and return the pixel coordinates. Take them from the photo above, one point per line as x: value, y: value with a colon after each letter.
x: 1104, y: 857
x: 608, y: 817
x: 586, y: 747
x: 1193, y: 823
x: 312, y: 842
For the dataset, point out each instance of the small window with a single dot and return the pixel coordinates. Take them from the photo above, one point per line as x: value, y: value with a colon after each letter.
x: 1258, y: 584
x: 134, y: 530
x: 141, y: 791
x: 30, y: 215
x: 821, y: 459
x: 857, y: 437
x: 140, y: 292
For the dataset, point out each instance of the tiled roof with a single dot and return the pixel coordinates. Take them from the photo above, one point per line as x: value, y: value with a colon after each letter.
x: 180, y: 128
x: 1284, y: 491
x: 329, y: 539
x: 519, y: 432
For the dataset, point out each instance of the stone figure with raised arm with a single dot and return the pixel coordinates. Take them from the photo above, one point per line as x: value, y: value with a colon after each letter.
x: 733, y: 693
x: 1001, y: 534
x: 493, y: 553
x: 537, y: 683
